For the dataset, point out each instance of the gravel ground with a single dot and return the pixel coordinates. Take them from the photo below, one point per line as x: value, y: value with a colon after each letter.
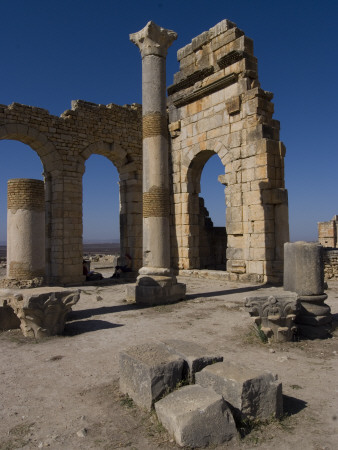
x: 62, y: 392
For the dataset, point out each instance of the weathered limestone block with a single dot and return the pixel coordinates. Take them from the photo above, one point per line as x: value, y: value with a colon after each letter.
x: 250, y: 394
x: 44, y: 314
x: 149, y: 371
x: 195, y: 356
x: 303, y: 268
x: 196, y: 417
x: 275, y: 315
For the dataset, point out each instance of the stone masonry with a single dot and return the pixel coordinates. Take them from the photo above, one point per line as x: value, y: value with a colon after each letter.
x: 25, y: 229
x: 216, y: 106
x: 328, y: 232
x: 64, y: 144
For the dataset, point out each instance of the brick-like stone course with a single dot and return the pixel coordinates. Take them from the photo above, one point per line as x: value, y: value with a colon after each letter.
x: 216, y: 106
x: 64, y: 144
x: 25, y: 194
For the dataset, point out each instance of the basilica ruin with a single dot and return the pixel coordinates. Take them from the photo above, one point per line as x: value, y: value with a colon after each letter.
x: 214, y: 106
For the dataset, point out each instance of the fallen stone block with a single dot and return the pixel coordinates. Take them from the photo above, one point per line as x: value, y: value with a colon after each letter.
x: 43, y: 314
x: 196, y: 417
x: 195, y: 356
x: 250, y: 394
x: 149, y: 371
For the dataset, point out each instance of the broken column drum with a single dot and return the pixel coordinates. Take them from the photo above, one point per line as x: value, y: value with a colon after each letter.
x: 304, y: 274
x: 25, y: 229
x: 155, y: 283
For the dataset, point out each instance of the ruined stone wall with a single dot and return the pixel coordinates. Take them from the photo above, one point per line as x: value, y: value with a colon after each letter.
x: 330, y: 258
x: 64, y: 144
x: 328, y: 233
x: 216, y: 106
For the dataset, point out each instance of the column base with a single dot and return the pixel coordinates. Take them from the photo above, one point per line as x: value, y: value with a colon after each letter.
x: 155, y: 290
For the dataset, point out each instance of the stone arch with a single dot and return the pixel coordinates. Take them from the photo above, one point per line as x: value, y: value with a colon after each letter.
x: 52, y: 168
x: 48, y: 154
x: 130, y: 189
x: 206, y: 244
x: 113, y: 151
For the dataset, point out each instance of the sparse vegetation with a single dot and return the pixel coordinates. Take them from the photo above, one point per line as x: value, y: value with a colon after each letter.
x: 127, y: 401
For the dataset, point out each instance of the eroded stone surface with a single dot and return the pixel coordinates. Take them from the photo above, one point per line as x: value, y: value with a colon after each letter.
x: 149, y: 371
x: 195, y: 356
x: 249, y: 393
x: 43, y: 314
x: 304, y: 274
x: 196, y: 417
x: 275, y: 315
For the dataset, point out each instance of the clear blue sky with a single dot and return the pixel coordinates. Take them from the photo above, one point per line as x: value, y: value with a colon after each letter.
x: 58, y: 50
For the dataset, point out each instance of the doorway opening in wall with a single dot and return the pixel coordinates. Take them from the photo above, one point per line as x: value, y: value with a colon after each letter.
x: 101, y: 223
x: 211, y: 222
x: 18, y: 161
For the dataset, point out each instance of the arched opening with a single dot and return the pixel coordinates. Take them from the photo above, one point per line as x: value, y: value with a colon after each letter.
x: 213, y: 239
x: 207, y: 212
x: 101, y: 224
x: 19, y: 161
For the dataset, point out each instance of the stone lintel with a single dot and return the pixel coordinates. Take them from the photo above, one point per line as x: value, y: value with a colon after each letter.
x: 206, y: 90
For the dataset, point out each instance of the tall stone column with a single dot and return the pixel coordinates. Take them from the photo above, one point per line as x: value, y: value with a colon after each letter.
x: 156, y: 283
x: 25, y: 229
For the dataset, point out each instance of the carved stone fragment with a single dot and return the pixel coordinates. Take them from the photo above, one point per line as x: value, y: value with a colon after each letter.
x: 274, y: 315
x: 43, y: 314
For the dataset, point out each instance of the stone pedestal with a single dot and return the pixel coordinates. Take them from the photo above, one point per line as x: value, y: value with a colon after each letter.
x: 25, y: 229
x: 304, y: 274
x: 155, y: 284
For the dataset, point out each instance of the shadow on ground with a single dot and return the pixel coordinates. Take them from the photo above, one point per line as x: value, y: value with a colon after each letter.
x: 86, y: 313
x: 293, y: 405
x: 228, y: 291
x: 86, y: 326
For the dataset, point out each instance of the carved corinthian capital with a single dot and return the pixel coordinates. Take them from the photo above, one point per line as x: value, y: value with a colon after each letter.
x: 153, y: 40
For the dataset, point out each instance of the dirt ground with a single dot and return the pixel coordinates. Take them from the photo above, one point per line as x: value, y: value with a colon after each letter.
x: 62, y: 392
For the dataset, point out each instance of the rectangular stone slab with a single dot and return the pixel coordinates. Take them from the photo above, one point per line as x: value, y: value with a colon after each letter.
x: 250, y: 394
x: 149, y: 371
x: 195, y: 356
x: 196, y: 417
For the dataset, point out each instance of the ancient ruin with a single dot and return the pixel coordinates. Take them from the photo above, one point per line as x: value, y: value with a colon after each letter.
x: 275, y: 315
x: 156, y: 282
x: 328, y: 232
x: 328, y: 238
x: 304, y: 274
x: 25, y: 229
x: 42, y: 314
x: 215, y: 106
x: 219, y: 395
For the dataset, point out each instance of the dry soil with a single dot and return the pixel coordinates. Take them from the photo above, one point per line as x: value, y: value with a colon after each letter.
x: 62, y: 392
